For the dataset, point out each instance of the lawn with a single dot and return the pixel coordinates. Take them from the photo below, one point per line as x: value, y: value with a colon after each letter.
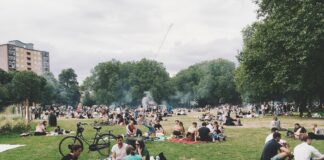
x: 243, y: 143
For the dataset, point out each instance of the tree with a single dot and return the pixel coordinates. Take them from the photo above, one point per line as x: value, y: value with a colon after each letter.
x: 70, y: 93
x: 27, y: 88
x: 51, y: 90
x: 125, y: 83
x: 283, y: 52
x: 5, y: 97
x: 209, y: 82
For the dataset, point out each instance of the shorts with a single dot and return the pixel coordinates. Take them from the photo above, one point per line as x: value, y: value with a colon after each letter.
x: 277, y: 157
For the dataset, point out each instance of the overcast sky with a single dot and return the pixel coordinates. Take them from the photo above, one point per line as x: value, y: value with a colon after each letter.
x: 82, y: 33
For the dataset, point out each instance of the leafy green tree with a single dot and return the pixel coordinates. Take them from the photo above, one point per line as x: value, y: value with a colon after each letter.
x: 209, y: 82
x: 51, y: 93
x: 125, y: 83
x: 5, y: 97
x: 283, y: 53
x: 88, y: 100
x: 27, y: 88
x: 70, y: 94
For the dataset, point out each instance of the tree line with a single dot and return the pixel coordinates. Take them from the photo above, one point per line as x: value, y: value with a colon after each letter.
x: 25, y: 89
x: 281, y: 60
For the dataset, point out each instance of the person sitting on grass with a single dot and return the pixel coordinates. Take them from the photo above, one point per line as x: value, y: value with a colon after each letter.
x: 270, y: 136
x: 271, y: 148
x: 229, y: 121
x: 299, y: 130
x: 275, y: 123
x: 75, y: 153
x: 119, y: 150
x: 177, y: 129
x: 158, y: 128
x: 203, y: 133
x: 41, y: 129
x: 131, y: 129
x: 141, y: 150
x: 305, y: 150
x: 192, y: 132
x: 130, y: 151
x: 217, y: 133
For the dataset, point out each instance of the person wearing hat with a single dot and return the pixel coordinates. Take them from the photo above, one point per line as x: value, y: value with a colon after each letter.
x: 305, y: 151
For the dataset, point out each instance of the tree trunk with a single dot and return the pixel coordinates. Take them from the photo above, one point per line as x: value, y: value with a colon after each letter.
x: 27, y: 110
x: 22, y: 108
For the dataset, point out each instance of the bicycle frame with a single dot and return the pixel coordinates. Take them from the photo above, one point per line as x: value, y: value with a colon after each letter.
x: 81, y: 137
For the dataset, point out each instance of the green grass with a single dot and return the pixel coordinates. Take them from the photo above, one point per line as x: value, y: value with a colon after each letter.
x: 242, y: 143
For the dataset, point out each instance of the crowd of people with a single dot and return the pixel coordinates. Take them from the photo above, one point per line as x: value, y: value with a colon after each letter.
x: 210, y: 128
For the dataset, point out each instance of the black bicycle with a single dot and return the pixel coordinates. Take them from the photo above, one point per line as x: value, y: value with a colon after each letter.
x: 101, y: 142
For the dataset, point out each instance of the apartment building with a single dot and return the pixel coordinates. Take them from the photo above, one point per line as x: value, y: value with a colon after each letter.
x: 16, y: 55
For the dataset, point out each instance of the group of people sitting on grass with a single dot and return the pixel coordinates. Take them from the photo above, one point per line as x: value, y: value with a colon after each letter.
x: 41, y: 130
x: 207, y: 132
x: 277, y: 149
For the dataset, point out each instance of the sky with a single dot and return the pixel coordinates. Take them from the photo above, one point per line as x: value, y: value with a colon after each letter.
x: 79, y: 34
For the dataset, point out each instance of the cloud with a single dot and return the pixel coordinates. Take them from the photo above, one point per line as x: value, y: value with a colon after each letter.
x: 82, y: 33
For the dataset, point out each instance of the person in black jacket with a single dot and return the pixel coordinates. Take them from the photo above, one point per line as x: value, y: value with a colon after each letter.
x: 75, y: 153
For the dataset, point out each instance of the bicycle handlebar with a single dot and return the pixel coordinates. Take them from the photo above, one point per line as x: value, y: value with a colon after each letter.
x: 80, y: 123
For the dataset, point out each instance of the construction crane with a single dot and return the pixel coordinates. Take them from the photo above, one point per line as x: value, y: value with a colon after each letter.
x: 164, y: 38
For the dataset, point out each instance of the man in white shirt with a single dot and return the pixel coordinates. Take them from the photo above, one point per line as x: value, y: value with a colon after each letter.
x: 270, y: 136
x: 305, y: 151
x: 119, y: 149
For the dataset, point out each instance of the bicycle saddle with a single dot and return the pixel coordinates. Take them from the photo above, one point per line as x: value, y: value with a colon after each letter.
x: 97, y: 127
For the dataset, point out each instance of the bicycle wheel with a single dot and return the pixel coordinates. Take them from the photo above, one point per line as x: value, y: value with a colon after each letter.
x: 66, y: 144
x: 104, y: 143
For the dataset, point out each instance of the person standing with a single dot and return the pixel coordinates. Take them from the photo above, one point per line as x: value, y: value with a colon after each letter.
x: 305, y: 150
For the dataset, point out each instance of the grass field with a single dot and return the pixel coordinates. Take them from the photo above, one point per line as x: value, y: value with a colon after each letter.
x: 243, y: 143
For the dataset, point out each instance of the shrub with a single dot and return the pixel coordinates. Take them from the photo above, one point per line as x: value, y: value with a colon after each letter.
x: 14, y: 127
x: 20, y: 127
x: 6, y: 128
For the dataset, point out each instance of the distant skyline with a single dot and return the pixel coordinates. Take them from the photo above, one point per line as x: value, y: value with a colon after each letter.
x: 79, y: 34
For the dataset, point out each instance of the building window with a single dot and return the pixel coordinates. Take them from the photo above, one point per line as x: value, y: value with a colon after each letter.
x: 28, y: 58
x: 28, y: 53
x: 28, y: 63
x: 29, y: 69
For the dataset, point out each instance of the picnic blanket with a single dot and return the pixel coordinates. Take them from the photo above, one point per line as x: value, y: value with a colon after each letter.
x: 184, y: 141
x: 4, y: 147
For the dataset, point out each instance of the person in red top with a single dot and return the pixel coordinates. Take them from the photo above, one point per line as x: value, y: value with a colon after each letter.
x: 131, y: 129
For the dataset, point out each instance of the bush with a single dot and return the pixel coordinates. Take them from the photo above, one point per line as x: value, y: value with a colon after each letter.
x: 14, y: 127
x: 52, y: 121
x: 6, y: 128
x: 20, y: 127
